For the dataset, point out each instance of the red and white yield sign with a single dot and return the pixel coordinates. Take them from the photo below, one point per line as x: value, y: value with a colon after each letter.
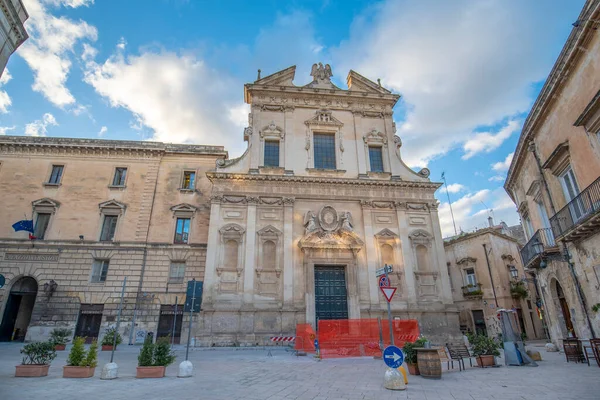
x: 388, y: 292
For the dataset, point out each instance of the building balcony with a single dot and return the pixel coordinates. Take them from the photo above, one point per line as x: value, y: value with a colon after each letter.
x: 580, y: 218
x: 538, y: 247
x: 473, y: 291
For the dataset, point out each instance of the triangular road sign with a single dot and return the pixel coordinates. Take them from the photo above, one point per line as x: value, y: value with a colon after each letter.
x: 388, y: 292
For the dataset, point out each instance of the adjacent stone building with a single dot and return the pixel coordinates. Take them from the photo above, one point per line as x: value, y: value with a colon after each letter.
x: 554, y: 180
x: 319, y: 201
x: 103, y: 210
x: 486, y: 274
x: 12, y: 32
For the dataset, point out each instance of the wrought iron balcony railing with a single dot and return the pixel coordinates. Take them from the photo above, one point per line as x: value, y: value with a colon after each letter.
x: 542, y: 240
x: 582, y: 211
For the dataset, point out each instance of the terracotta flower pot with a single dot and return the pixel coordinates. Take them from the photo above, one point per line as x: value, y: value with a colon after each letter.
x: 78, y: 372
x: 413, y: 369
x: 150, y: 372
x: 32, y: 370
x: 485, y: 361
x: 60, y: 347
x: 107, y: 347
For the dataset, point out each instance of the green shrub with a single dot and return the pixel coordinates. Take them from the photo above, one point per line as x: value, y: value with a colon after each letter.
x: 38, y: 353
x: 596, y: 307
x: 109, y: 337
x: 485, y: 346
x: 163, y: 356
x: 77, y: 353
x: 410, y: 354
x: 91, y: 359
x: 60, y: 336
x: 518, y: 290
x: 145, y: 359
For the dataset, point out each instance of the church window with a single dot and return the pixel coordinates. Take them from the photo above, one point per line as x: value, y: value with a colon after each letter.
x: 387, y: 254
x: 324, y: 145
x: 376, y: 158
x: 231, y: 254
x: 271, y: 153
x: 422, y: 258
x: 269, y: 255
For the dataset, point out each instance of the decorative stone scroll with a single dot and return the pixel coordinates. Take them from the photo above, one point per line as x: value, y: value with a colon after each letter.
x: 330, y: 229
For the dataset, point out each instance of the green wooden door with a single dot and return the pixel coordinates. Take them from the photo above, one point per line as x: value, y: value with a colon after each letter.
x: 331, y: 300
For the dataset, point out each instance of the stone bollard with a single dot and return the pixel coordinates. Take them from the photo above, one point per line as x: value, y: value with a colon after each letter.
x: 550, y: 347
x: 186, y: 368
x: 393, y: 380
x: 110, y: 371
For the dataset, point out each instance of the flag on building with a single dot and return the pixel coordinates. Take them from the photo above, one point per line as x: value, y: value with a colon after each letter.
x: 24, y: 225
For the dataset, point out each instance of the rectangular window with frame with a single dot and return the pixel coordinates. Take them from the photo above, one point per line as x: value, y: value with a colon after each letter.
x: 99, y: 271
x: 571, y: 191
x: 470, y: 277
x: 376, y: 158
x: 324, y: 153
x: 41, y: 225
x: 271, y: 153
x: 189, y: 180
x: 177, y: 272
x: 119, y: 178
x: 56, y: 174
x: 182, y: 230
x: 109, y: 226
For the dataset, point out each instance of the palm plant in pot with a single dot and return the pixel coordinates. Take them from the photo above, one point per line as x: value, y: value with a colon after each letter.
x: 60, y: 337
x: 81, y: 364
x: 485, y: 349
x: 410, y: 355
x: 154, y: 358
x: 36, y: 360
x: 108, y: 341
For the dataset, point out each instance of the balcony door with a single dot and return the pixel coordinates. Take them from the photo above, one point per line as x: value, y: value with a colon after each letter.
x: 571, y: 191
x: 546, y: 223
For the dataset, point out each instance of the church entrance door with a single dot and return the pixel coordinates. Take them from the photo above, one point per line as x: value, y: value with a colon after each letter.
x: 331, y: 296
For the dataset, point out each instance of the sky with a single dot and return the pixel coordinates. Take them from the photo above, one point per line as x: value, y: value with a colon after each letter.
x: 173, y: 70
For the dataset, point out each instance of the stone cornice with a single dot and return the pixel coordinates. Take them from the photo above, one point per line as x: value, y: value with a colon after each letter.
x: 103, y: 148
x: 571, y: 53
x: 15, y: 22
x: 480, y: 232
x: 25, y: 245
x: 216, y: 176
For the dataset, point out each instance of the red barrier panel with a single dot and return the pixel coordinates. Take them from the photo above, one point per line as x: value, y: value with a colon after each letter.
x: 305, y: 338
x: 360, y: 337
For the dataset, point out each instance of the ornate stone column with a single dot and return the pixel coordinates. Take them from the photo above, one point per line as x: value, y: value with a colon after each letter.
x: 250, y: 251
x: 407, y: 253
x: 371, y: 253
x: 288, y: 251
x: 212, y: 247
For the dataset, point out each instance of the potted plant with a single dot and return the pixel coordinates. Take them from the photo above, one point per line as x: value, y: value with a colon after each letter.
x: 485, y: 349
x: 410, y: 355
x: 109, y: 339
x: 154, y: 358
x: 518, y: 290
x: 60, y: 337
x: 36, y: 360
x: 81, y: 364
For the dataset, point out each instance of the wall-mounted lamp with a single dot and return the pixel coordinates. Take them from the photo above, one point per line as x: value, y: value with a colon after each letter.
x: 50, y: 287
x: 81, y: 237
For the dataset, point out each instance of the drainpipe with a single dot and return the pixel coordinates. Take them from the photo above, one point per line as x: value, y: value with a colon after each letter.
x: 540, y: 296
x: 539, y: 165
x: 580, y: 294
x: 490, y: 271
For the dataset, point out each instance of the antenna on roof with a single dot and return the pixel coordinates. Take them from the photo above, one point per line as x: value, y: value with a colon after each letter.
x: 447, y: 194
x: 258, y: 79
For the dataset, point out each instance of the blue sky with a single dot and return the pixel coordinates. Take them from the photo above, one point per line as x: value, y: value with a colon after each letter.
x: 173, y: 70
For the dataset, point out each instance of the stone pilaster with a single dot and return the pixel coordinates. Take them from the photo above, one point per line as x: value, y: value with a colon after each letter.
x: 371, y: 254
x: 212, y: 246
x: 407, y: 253
x: 439, y: 254
x: 250, y: 251
x: 288, y: 256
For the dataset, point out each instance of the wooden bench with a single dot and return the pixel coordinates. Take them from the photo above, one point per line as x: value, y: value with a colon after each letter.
x: 459, y: 353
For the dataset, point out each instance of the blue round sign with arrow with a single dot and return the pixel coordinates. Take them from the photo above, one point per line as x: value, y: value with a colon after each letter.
x: 393, y: 356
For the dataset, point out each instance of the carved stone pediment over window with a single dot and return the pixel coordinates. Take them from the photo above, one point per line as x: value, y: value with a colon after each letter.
x: 375, y: 137
x: 466, y: 261
x: 183, y: 210
x: 324, y: 117
x: 268, y: 270
x: 272, y: 131
x: 420, y: 236
x: 230, y: 258
x: 386, y: 234
x: 112, y: 207
x: 45, y: 205
x: 232, y: 230
x: 329, y: 229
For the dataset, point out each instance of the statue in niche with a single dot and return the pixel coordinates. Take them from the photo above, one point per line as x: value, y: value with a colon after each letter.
x: 310, y: 222
x: 346, y: 222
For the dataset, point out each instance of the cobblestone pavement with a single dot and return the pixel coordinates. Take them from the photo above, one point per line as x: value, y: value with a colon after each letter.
x: 252, y: 374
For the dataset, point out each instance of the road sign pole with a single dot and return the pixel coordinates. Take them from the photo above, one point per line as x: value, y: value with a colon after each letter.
x: 187, y: 350
x: 380, y: 334
x: 174, y: 324
x: 389, y: 309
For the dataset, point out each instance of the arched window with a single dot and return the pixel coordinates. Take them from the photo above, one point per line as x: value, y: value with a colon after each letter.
x: 231, y: 254
x: 387, y: 254
x: 269, y: 255
x: 422, y: 258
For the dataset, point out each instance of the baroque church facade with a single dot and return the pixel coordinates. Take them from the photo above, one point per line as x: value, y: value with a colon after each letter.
x: 318, y: 202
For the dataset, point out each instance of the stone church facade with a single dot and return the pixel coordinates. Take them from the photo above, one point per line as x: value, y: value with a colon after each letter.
x: 319, y: 201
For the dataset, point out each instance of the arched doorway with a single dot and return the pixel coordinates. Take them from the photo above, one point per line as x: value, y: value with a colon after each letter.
x: 17, y: 312
x: 561, y: 302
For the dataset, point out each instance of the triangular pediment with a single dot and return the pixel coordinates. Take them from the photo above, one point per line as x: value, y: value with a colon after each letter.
x: 466, y: 260
x: 112, y: 204
x: 357, y: 82
x: 269, y: 230
x: 386, y: 233
x: 184, y: 207
x: 285, y: 77
x: 323, y: 117
x: 45, y: 202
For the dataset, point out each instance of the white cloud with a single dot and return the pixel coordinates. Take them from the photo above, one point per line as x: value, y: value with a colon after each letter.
x: 102, y: 131
x: 470, y: 211
x: 496, y: 178
x: 503, y: 165
x: 51, y: 42
x: 178, y: 97
x: 39, y: 126
x: 89, y: 52
x: 5, y: 100
x: 459, y: 65
x: 5, y: 129
x: 488, y: 141
x: 455, y: 188
x: 122, y: 43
